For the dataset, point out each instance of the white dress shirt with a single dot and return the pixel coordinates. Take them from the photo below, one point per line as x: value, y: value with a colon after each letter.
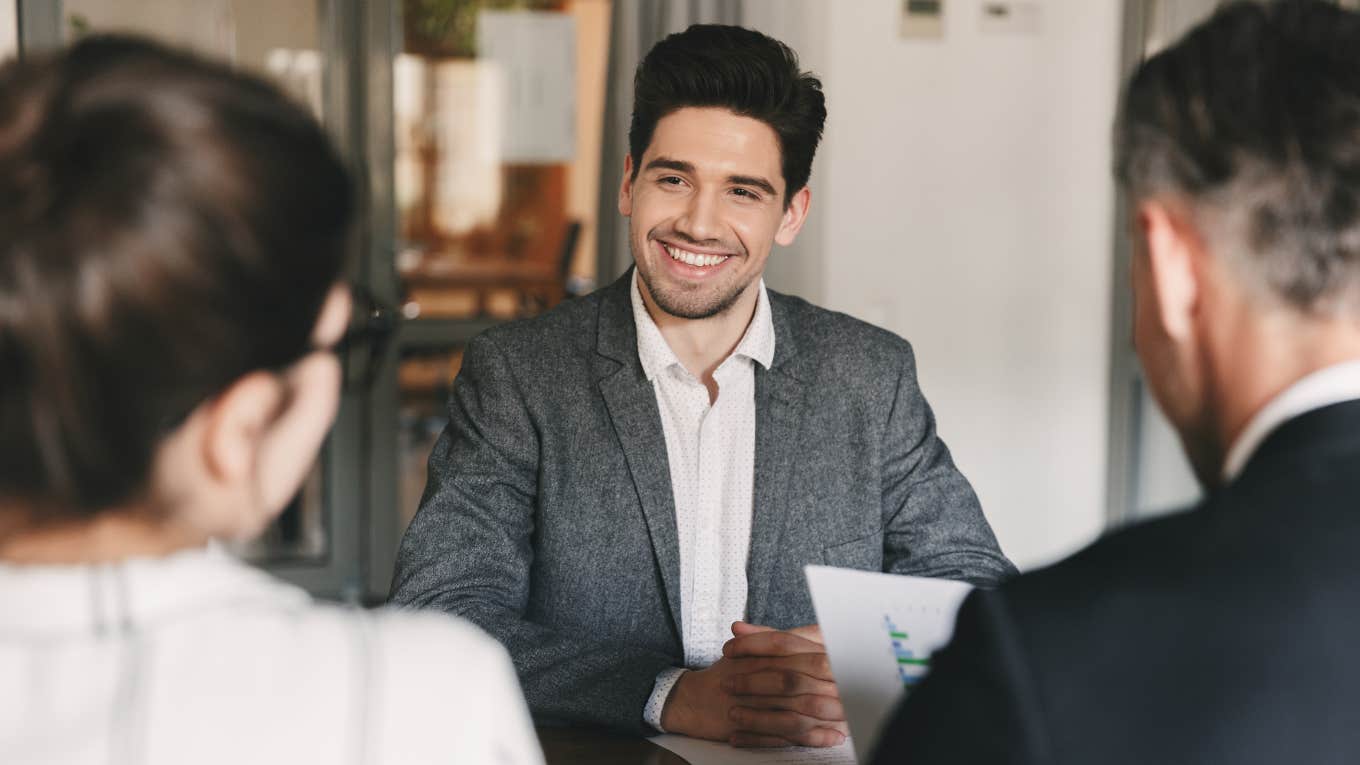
x: 1327, y: 386
x: 198, y: 658
x: 711, y: 451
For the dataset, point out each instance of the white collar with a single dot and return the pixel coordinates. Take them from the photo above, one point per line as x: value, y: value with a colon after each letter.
x: 1327, y: 386
x: 656, y: 354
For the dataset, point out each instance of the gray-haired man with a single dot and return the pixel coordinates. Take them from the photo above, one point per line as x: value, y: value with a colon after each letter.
x: 1227, y: 634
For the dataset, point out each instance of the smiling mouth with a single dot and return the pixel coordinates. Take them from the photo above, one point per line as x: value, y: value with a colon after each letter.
x: 698, y: 260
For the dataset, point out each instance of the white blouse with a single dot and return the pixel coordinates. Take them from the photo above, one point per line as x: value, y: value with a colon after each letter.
x: 198, y: 658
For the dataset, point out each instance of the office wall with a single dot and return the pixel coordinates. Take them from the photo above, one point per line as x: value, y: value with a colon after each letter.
x: 9, y: 29
x: 965, y: 202
x: 797, y: 269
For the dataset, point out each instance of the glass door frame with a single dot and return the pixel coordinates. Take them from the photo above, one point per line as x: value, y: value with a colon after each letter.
x: 384, y: 42
x: 1121, y: 484
x: 361, y: 40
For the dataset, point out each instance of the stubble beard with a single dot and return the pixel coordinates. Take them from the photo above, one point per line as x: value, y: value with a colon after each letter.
x: 687, y: 305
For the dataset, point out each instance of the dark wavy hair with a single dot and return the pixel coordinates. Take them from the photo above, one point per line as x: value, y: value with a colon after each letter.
x: 1254, y: 117
x: 167, y: 225
x: 738, y: 69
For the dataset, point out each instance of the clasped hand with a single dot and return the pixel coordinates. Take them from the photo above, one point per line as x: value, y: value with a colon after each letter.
x: 770, y: 688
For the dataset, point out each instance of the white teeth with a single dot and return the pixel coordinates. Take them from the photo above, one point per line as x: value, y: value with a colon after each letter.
x: 693, y: 258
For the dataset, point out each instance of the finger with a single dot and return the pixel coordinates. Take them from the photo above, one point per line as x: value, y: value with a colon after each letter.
x: 817, y: 665
x: 787, y: 725
x: 744, y: 739
x: 778, y: 682
x: 820, y: 737
x: 811, y: 632
x: 740, y: 629
x: 814, y: 705
x: 770, y: 643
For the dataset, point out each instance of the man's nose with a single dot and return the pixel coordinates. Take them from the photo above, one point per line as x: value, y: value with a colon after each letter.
x: 700, y: 220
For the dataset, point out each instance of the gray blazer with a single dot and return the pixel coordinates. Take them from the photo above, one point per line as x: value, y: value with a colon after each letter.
x: 549, y: 518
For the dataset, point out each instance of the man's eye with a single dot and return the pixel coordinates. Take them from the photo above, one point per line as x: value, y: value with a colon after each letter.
x: 672, y: 180
x: 746, y: 193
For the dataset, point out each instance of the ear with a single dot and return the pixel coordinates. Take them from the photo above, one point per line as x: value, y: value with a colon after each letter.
x: 237, y: 421
x: 626, y: 187
x: 794, y: 217
x: 289, y: 447
x: 1173, y: 247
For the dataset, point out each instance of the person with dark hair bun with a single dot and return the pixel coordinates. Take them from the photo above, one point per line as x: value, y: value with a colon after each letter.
x: 1224, y: 634
x: 630, y: 486
x: 172, y: 236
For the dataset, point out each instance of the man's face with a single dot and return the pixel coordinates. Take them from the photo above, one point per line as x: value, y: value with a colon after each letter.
x: 706, y: 208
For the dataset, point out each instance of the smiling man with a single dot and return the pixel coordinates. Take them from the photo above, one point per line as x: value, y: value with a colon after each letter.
x: 630, y: 485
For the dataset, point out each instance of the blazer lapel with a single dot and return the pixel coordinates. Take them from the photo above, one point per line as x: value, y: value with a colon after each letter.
x: 637, y: 422
x: 780, y: 403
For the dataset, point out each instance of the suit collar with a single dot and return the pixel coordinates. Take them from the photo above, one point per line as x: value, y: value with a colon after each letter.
x: 1331, y: 385
x: 616, y: 333
x: 1327, y: 429
x: 1303, y: 440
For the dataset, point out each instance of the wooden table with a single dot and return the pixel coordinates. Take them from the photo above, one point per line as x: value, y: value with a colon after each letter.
x: 586, y: 746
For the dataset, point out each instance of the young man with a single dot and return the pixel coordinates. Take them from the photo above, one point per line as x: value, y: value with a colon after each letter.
x: 1227, y: 634
x: 625, y: 477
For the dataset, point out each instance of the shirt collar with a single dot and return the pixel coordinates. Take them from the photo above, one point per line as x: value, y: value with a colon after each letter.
x: 1327, y: 386
x: 656, y: 354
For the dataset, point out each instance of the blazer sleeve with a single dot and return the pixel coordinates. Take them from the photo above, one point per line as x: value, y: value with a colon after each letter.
x: 933, y: 523
x: 977, y: 705
x: 469, y: 552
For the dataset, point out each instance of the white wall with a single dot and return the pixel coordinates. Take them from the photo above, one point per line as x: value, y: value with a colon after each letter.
x: 9, y: 29
x: 797, y: 269
x: 966, y: 204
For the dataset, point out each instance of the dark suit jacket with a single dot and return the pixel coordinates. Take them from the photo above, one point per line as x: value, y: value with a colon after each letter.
x: 1230, y: 634
x: 549, y: 518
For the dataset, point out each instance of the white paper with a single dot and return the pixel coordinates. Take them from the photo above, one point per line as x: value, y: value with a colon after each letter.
x: 880, y: 632
x: 700, y: 752
x: 536, y: 51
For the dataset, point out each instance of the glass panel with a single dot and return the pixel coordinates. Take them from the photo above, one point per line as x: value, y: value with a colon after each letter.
x: 280, y: 39
x: 498, y: 108
x: 425, y: 378
x: 9, y: 29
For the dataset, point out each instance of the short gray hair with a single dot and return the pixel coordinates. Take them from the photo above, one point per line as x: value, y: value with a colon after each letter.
x: 1254, y: 119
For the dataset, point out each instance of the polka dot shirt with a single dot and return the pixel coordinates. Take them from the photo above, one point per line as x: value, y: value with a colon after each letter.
x: 711, y: 451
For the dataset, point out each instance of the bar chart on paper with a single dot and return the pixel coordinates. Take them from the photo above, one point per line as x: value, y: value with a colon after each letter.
x: 911, y: 663
x: 881, y: 631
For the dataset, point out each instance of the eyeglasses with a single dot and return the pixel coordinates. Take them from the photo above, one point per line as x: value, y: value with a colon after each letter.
x: 361, y: 350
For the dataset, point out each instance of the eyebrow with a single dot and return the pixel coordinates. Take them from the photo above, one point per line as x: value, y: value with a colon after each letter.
x: 680, y: 166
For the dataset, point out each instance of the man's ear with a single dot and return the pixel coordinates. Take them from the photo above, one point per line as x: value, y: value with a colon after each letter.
x: 626, y: 187
x: 237, y: 421
x: 795, y: 215
x: 1174, y: 249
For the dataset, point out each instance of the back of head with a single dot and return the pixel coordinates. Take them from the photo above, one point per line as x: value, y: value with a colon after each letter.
x: 167, y: 225
x: 737, y: 69
x: 1254, y: 120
